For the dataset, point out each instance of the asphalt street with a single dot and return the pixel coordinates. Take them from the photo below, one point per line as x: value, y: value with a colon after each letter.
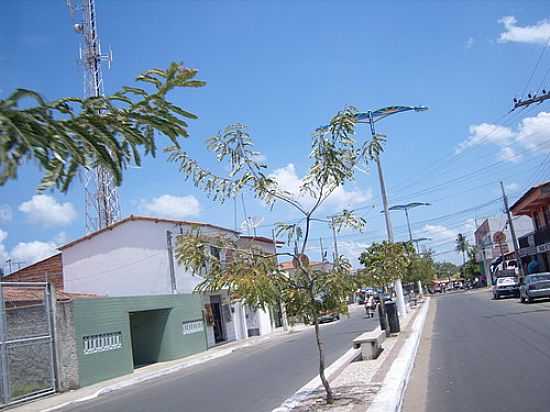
x: 478, y: 354
x: 253, y: 379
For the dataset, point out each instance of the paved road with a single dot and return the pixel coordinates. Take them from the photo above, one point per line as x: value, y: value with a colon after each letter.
x: 477, y: 354
x: 252, y: 379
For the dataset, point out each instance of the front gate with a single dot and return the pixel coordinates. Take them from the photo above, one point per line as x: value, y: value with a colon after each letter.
x: 26, y: 342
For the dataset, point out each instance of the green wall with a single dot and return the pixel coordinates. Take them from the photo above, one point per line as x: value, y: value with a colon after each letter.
x: 111, y: 315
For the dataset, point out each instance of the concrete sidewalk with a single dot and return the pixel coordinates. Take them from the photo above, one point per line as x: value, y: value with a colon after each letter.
x: 146, y: 373
x: 375, y: 385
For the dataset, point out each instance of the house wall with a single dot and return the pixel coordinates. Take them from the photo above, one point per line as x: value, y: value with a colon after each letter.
x: 94, y: 317
x: 129, y: 260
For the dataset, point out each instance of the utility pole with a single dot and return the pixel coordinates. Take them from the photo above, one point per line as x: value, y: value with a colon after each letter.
x: 336, y: 254
x: 512, y: 231
x: 531, y: 100
x: 171, y: 266
x: 322, y: 250
x: 284, y: 318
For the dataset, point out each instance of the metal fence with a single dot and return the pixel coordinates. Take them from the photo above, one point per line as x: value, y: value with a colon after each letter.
x: 26, y: 342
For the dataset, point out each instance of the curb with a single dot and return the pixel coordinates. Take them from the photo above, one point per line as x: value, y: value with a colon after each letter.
x: 331, y: 372
x: 390, y: 398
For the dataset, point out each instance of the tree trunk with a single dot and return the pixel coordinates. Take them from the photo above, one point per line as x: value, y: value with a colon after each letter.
x: 326, y: 385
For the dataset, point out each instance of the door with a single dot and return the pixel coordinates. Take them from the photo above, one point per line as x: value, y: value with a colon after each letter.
x: 215, y: 303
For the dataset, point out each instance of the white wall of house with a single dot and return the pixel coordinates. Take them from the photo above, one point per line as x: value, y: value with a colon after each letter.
x: 129, y: 260
x: 258, y: 318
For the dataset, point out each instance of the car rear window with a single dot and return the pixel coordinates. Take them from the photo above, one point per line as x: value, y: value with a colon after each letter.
x: 539, y: 278
x: 506, y: 280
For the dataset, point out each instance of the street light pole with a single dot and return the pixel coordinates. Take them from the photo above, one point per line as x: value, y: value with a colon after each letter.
x: 409, y: 225
x: 371, y: 117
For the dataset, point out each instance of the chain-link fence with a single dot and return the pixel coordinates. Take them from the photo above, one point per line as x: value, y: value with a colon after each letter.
x: 26, y: 341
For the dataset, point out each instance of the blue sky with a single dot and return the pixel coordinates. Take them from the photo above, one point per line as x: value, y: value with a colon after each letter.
x: 283, y: 68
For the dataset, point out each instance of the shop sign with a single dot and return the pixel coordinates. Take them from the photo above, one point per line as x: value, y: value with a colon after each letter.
x: 193, y: 326
x: 527, y: 251
x: 543, y: 248
x: 102, y: 343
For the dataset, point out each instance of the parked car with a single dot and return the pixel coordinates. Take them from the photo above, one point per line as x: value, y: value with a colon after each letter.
x: 536, y: 285
x: 329, y: 316
x: 506, y: 285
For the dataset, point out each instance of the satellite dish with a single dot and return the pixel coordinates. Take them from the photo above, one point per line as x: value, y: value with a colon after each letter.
x: 251, y: 223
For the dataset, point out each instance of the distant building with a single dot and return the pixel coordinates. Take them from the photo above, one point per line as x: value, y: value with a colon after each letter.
x: 493, y: 240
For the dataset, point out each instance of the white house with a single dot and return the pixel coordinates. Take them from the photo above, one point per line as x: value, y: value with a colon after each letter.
x: 135, y: 257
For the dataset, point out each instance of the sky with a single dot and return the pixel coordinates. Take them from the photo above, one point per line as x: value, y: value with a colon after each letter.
x: 284, y: 68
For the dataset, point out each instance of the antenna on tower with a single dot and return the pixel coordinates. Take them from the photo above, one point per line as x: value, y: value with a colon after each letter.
x: 102, y: 205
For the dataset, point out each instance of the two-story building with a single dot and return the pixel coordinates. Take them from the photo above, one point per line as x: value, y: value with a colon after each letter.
x: 493, y: 240
x: 535, y: 203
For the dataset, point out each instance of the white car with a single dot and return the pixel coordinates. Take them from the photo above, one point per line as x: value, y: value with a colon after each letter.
x: 507, y: 285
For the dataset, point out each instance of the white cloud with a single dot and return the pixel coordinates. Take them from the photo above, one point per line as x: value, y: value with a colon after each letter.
x: 509, y: 154
x: 45, y: 210
x: 534, y: 132
x: 486, y: 133
x: 341, y: 198
x: 440, y: 232
x: 352, y: 250
x: 512, y: 187
x: 5, y: 213
x: 176, y: 207
x: 3, y: 252
x: 469, y: 43
x: 26, y: 253
x: 30, y: 252
x: 539, y: 33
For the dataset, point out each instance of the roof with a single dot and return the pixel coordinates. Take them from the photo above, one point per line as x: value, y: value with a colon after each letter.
x: 262, y: 239
x: 526, y: 195
x: 144, y: 219
x: 23, y: 294
x: 290, y: 265
x: 24, y: 268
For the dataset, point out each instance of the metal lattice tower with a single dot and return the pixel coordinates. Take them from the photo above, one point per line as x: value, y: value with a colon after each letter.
x: 102, y: 206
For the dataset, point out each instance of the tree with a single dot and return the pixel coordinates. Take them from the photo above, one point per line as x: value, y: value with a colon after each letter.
x: 445, y: 269
x: 110, y: 131
x: 254, y: 276
x: 421, y: 268
x: 471, y: 268
x: 462, y: 246
x: 384, y: 262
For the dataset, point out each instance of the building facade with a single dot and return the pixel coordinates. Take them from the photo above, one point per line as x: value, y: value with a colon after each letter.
x: 534, y: 204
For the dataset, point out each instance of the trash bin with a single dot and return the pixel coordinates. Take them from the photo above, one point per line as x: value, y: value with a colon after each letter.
x: 393, y: 316
x: 381, y: 317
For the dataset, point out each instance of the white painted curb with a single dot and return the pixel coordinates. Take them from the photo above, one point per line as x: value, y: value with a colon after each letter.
x: 331, y: 372
x: 390, y: 397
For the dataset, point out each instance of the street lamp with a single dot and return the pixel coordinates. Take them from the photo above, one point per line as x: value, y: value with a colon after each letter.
x: 406, y: 208
x: 371, y: 117
x: 420, y: 239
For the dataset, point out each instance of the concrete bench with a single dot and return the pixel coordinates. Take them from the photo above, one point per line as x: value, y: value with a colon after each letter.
x: 370, y: 343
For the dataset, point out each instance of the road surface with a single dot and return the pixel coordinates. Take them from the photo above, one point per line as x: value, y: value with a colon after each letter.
x: 253, y: 379
x: 478, y: 354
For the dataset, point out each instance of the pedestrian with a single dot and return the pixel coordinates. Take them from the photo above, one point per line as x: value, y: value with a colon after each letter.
x: 533, y: 266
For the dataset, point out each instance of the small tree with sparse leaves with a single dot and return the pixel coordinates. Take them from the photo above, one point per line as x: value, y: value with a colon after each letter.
x: 254, y: 276
x: 71, y: 133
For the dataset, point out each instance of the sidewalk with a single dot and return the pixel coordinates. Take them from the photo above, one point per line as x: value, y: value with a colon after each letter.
x: 146, y: 373
x: 372, y: 385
